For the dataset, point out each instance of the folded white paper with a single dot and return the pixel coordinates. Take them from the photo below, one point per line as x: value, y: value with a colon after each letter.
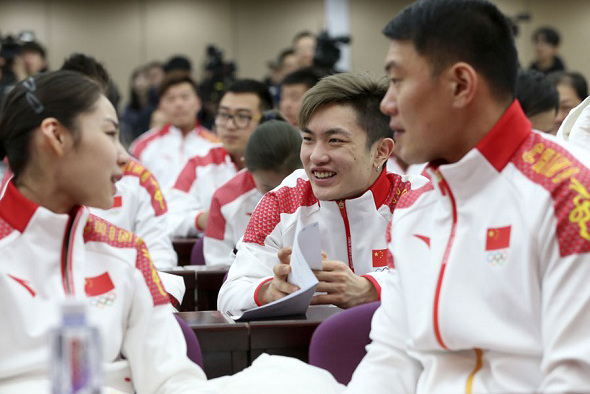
x: 306, y: 256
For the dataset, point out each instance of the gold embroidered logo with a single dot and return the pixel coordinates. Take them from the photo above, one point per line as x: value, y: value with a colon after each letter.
x: 549, y: 163
x: 580, y: 215
x: 155, y: 276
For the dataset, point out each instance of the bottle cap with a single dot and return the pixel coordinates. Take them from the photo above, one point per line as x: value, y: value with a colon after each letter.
x: 73, y: 310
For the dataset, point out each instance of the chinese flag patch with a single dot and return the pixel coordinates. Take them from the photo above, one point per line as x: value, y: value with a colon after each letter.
x: 498, y: 238
x: 98, y: 285
x: 379, y: 257
x: 117, y: 202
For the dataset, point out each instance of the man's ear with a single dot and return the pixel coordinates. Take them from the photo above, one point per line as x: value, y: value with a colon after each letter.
x: 55, y: 136
x: 384, y: 151
x: 464, y: 83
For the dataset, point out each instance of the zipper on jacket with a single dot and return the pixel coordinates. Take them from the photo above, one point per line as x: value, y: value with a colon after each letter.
x: 67, y: 253
x: 445, y: 190
x: 478, y: 365
x: 342, y: 207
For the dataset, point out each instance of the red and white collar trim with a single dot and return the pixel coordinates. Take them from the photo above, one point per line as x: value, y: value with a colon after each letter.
x: 16, y: 209
x: 380, y: 190
x: 500, y: 143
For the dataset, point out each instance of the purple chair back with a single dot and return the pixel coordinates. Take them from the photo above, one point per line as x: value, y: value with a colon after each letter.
x: 338, y: 344
x: 197, y: 254
x: 193, y: 349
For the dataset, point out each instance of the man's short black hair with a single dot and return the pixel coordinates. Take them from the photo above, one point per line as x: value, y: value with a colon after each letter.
x: 471, y: 31
x: 547, y: 34
x: 95, y: 70
x: 302, y: 34
x: 178, y: 63
x: 34, y: 46
x: 307, y: 76
x: 536, y: 93
x: 176, y: 78
x: 255, y: 87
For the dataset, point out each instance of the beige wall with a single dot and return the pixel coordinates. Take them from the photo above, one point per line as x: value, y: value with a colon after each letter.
x: 127, y: 33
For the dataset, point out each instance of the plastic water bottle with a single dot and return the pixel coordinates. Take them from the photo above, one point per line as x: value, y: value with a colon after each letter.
x: 76, y: 359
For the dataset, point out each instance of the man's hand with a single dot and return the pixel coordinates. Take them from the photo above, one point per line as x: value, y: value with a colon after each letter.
x: 343, y: 287
x: 202, y: 220
x: 278, y: 287
x: 18, y: 68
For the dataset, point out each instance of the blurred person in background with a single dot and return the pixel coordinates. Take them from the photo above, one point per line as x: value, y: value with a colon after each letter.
x: 572, y: 88
x: 304, y: 44
x: 165, y: 150
x: 293, y: 88
x: 138, y: 103
x: 547, y: 40
x: 271, y: 154
x: 240, y: 112
x: 538, y: 98
x: 285, y: 64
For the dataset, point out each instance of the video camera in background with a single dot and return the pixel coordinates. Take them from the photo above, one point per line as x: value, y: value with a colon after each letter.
x: 218, y: 75
x: 327, y: 51
x: 10, y: 48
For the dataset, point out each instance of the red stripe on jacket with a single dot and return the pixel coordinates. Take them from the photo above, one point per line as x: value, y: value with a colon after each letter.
x: 100, y: 230
x: 149, y: 183
x: 239, y: 185
x: 188, y: 175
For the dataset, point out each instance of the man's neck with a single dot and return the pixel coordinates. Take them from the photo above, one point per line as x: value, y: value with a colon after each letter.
x: 478, y: 121
x: 185, y: 129
x: 238, y: 160
x: 546, y: 64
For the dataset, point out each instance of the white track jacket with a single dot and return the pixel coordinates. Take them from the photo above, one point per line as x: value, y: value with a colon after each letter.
x: 140, y: 207
x: 490, y: 288
x: 47, y: 257
x: 353, y: 231
x: 194, y: 188
x: 165, y: 150
x: 231, y: 208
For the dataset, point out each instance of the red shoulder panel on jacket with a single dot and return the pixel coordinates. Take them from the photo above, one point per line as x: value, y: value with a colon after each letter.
x: 397, y: 190
x: 188, y: 175
x: 409, y: 197
x: 100, y: 230
x: 266, y: 216
x: 241, y: 183
x: 227, y: 193
x: 145, y: 139
x: 5, y: 229
x: 149, y: 183
x: 207, y: 134
x: 553, y: 167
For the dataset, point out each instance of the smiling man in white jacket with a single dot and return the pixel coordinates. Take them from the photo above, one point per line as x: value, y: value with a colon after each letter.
x: 344, y: 187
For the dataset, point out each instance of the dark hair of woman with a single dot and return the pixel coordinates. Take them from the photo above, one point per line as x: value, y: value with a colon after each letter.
x: 62, y: 95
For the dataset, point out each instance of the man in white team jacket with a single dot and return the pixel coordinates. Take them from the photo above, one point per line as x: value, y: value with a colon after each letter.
x: 490, y: 288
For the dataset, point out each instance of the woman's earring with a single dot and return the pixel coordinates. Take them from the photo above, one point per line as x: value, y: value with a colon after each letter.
x: 377, y: 169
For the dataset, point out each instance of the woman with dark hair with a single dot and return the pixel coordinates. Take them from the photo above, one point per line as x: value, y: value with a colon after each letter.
x: 271, y: 154
x: 572, y: 88
x: 538, y: 98
x: 138, y: 103
x: 60, y: 134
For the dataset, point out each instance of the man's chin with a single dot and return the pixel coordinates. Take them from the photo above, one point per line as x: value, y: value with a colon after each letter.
x: 324, y: 193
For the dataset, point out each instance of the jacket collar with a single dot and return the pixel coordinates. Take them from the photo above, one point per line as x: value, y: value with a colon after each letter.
x: 500, y: 143
x: 197, y: 130
x: 380, y: 189
x: 15, y: 208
